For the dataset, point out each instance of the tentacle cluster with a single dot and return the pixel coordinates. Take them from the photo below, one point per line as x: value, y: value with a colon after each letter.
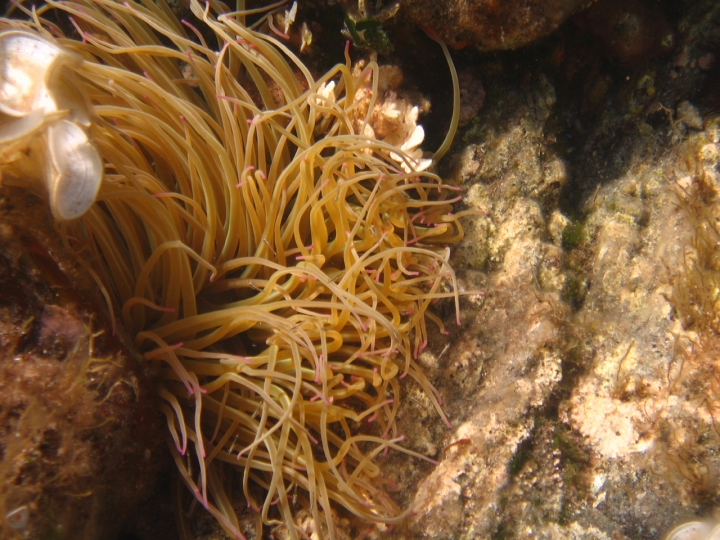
x: 274, y: 263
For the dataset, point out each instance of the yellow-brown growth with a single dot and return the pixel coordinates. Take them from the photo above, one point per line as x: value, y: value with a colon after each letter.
x: 277, y: 264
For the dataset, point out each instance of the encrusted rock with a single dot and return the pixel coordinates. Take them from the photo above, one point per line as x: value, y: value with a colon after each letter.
x: 491, y: 24
x: 80, y: 436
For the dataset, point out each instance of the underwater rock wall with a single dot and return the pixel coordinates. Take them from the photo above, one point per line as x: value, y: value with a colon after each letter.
x: 80, y: 434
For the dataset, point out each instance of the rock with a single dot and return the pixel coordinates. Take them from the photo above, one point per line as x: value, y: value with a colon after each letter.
x: 80, y: 436
x: 491, y: 24
x: 689, y: 115
x: 631, y: 31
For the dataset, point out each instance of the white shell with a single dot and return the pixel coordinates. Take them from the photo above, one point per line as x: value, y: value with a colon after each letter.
x: 61, y: 85
x: 77, y: 171
x: 18, y: 518
x: 17, y: 128
x: 24, y: 59
x: 693, y: 530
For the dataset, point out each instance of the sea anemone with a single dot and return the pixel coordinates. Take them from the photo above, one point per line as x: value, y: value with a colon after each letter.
x: 274, y: 264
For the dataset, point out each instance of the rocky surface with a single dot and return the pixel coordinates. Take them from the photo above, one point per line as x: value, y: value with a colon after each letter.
x: 81, y: 442
x: 490, y: 24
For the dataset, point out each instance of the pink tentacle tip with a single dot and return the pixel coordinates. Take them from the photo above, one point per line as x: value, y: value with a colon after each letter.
x: 444, y: 332
x: 241, y: 184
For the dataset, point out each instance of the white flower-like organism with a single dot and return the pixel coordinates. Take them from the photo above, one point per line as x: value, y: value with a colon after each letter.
x: 411, y: 145
x: 392, y: 119
x: 41, y: 112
